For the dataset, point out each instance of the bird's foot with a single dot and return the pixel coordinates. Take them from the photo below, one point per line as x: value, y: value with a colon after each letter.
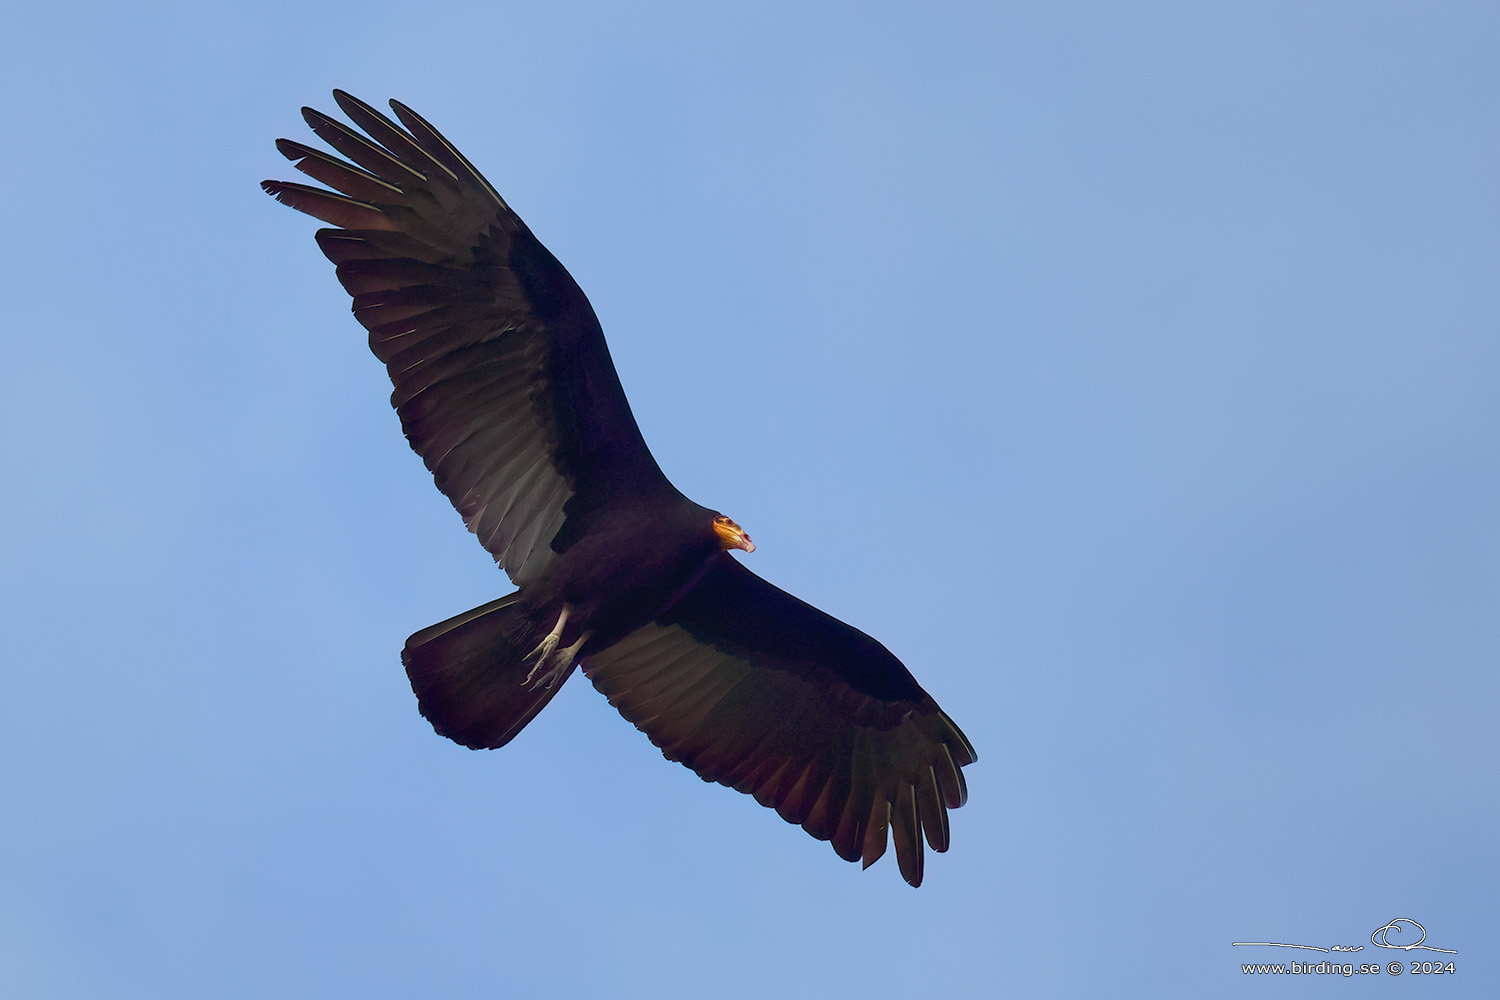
x: 541, y: 654
x: 548, y: 665
x: 553, y: 664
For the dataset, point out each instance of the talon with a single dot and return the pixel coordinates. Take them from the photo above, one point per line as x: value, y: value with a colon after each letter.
x: 541, y: 655
x: 551, y: 665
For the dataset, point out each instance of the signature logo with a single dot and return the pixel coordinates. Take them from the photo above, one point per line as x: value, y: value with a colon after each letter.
x: 1378, y: 938
x: 1379, y: 941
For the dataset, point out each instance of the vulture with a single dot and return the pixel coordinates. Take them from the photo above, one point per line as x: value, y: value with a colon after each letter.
x: 505, y: 388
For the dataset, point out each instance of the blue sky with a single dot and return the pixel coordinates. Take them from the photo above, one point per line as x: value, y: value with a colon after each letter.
x: 1132, y: 374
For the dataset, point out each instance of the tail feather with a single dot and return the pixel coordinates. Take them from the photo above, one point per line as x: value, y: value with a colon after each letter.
x: 468, y: 674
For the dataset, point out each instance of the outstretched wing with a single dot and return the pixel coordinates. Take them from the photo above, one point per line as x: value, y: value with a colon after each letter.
x: 754, y: 689
x: 502, y: 379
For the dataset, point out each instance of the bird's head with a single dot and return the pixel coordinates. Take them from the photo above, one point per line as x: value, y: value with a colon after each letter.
x: 731, y: 535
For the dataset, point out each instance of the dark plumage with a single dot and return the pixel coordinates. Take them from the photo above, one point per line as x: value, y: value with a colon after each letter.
x: 506, y: 390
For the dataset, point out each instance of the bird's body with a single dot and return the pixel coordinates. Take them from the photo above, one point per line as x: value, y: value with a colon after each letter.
x: 505, y: 388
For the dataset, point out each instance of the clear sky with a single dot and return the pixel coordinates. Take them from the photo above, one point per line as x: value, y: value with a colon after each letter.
x: 1132, y: 374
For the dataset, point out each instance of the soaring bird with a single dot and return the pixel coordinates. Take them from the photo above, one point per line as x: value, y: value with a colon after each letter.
x: 506, y: 390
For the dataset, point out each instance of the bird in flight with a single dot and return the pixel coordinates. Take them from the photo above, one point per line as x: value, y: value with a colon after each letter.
x: 506, y: 390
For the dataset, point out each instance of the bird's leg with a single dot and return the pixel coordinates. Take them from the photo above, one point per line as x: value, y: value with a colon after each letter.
x: 553, y: 667
x: 549, y: 642
x: 551, y: 664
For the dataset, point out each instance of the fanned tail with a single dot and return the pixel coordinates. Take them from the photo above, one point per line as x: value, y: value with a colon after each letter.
x: 469, y: 674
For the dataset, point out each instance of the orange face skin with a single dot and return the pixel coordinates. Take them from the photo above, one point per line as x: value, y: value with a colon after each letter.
x: 731, y: 535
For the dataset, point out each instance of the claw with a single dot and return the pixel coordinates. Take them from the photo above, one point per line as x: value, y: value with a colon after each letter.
x: 552, y: 665
x: 541, y: 655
